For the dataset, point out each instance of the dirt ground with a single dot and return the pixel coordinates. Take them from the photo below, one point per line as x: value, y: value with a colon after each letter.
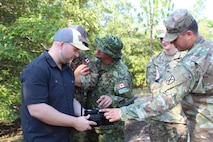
x: 135, y: 131
x: 11, y: 132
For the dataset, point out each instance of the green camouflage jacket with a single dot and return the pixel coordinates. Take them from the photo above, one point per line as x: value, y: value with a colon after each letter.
x: 164, y: 64
x: 114, y: 80
x: 191, y: 82
x: 89, y: 81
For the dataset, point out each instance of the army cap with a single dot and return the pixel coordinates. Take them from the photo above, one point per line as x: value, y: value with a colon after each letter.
x: 111, y: 45
x: 162, y: 32
x: 72, y: 36
x: 176, y: 23
x: 161, y: 35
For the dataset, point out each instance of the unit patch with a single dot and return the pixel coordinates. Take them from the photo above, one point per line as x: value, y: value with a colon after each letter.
x: 170, y: 80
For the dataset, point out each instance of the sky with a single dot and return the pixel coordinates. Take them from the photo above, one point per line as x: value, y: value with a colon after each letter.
x: 189, y: 3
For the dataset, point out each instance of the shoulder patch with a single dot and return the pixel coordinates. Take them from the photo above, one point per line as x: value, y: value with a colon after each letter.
x: 86, y: 60
x: 122, y: 88
x: 121, y: 85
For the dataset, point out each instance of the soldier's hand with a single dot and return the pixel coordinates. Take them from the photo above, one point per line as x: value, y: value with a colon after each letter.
x: 81, y: 70
x: 104, y: 101
x: 112, y: 114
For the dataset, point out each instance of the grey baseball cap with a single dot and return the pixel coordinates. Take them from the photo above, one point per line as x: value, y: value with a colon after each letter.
x: 82, y: 31
x: 176, y: 23
x: 72, y: 36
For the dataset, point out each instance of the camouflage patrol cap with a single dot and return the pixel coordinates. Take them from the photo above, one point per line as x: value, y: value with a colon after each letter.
x: 176, y: 23
x: 111, y: 45
x: 162, y: 32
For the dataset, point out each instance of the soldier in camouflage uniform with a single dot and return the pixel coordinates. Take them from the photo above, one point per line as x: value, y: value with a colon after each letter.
x: 171, y: 126
x: 190, y: 82
x: 114, y: 87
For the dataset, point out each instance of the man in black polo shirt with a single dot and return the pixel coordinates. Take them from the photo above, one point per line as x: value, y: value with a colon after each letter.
x: 48, y: 105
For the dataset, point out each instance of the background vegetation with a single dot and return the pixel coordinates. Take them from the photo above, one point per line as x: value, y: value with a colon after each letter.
x: 27, y: 28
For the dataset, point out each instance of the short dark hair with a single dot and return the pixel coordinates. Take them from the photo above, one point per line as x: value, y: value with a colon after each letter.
x: 193, y: 27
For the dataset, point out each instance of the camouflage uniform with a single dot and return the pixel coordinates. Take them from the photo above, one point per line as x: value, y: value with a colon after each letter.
x: 115, y: 81
x: 89, y: 81
x: 171, y: 126
x: 190, y: 82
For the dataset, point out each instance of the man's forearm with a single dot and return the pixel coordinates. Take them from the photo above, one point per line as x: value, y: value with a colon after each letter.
x: 50, y: 115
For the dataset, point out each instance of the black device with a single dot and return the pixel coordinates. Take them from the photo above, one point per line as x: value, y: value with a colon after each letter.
x: 98, y: 117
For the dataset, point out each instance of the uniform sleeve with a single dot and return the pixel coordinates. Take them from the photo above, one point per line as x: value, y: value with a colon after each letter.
x: 174, y: 88
x: 90, y: 80
x: 122, y: 90
x: 150, y: 72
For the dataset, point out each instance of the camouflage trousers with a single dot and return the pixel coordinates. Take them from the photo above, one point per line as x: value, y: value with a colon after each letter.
x: 101, y: 134
x: 111, y: 134
x: 86, y: 136
x: 167, y: 132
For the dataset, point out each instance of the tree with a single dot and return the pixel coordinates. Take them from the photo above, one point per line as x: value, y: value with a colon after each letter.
x: 26, y: 36
x: 13, y: 9
x: 117, y: 18
x: 153, y: 13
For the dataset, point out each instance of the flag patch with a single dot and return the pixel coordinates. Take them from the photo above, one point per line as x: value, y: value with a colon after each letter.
x: 121, y: 85
x: 86, y: 60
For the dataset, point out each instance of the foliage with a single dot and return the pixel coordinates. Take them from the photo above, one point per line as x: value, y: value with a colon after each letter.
x: 154, y: 13
x: 206, y: 28
x: 27, y: 28
x: 117, y: 19
x: 13, y: 9
x: 27, y: 36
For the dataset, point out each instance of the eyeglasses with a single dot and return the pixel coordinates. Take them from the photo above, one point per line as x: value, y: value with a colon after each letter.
x: 76, y: 49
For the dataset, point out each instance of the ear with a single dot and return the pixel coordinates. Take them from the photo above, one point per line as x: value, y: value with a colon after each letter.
x: 189, y: 34
x: 61, y: 44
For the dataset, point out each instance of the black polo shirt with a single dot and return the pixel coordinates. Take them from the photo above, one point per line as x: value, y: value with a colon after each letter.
x: 43, y: 82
